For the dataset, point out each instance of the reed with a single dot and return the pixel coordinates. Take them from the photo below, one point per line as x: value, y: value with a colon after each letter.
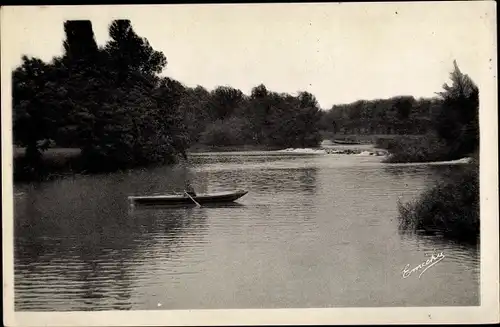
x: 449, y: 208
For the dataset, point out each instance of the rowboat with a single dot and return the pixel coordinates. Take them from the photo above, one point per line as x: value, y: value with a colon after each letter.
x: 221, y: 197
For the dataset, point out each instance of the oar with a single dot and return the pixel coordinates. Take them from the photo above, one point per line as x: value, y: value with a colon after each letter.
x: 197, y: 204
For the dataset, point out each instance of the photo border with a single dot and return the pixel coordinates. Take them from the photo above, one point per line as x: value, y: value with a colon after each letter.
x: 487, y: 312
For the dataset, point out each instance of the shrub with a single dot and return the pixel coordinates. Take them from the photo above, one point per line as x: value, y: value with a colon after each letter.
x: 450, y: 207
x: 231, y: 131
x: 422, y: 149
x: 53, y: 162
x: 385, y: 143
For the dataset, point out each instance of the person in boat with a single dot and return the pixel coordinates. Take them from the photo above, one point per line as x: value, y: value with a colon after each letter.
x: 188, y: 188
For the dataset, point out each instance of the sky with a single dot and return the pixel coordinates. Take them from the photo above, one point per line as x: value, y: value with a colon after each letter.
x: 339, y: 52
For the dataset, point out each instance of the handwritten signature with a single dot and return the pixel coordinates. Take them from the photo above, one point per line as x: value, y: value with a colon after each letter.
x: 434, y: 259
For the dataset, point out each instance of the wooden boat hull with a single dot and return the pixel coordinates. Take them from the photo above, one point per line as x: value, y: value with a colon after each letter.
x: 222, y: 197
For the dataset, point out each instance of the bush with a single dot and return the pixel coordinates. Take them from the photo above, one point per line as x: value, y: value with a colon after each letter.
x: 450, y: 207
x: 53, y: 162
x: 385, y: 143
x: 422, y: 149
x: 225, y: 132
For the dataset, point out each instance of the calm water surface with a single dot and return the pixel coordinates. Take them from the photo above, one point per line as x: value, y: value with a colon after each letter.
x: 313, y: 231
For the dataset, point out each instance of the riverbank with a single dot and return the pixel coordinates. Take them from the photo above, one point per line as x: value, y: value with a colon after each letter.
x: 290, y: 195
x: 55, y: 162
x: 363, y: 139
x: 449, y: 208
x: 197, y: 148
x: 63, y: 162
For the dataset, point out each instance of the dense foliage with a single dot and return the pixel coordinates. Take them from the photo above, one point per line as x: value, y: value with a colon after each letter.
x: 450, y: 207
x: 448, y: 124
x: 226, y: 116
x: 442, y: 128
x: 108, y: 101
x: 112, y: 103
x: 457, y: 123
x: 397, y: 115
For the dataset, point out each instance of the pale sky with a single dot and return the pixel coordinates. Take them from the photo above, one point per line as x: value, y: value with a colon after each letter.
x: 338, y: 52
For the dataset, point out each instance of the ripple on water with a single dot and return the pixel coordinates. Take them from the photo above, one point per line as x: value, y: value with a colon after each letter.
x: 313, y: 231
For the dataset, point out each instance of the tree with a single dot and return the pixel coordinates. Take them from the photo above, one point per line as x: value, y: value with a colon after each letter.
x: 458, y: 120
x: 80, y: 42
x: 396, y: 115
x: 223, y: 102
x: 194, y: 108
x: 256, y: 112
x: 403, y: 106
x: 129, y: 52
x: 107, y: 101
x: 171, y: 119
x: 307, y: 120
x: 225, y: 132
x: 259, y: 92
x: 34, y: 120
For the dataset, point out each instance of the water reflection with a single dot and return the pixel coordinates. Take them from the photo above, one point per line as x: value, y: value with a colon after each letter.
x: 313, y: 231
x: 419, y: 240
x: 83, y: 253
x: 434, y: 171
x: 156, y: 207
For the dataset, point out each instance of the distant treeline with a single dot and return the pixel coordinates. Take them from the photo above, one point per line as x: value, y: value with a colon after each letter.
x: 447, y: 125
x: 450, y: 207
x: 112, y: 103
x: 397, y: 115
x: 226, y: 116
x: 454, y: 127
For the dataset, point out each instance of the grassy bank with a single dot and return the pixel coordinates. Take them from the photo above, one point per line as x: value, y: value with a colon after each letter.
x: 52, y: 154
x: 379, y: 140
x: 230, y: 148
x: 424, y: 148
x: 60, y: 162
x: 55, y: 162
x: 449, y: 208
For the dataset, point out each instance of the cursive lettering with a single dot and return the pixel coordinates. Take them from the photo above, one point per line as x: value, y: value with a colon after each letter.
x: 434, y: 259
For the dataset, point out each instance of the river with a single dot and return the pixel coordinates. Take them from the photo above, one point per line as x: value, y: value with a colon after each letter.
x: 314, y: 230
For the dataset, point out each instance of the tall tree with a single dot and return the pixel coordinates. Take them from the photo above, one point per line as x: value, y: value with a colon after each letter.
x: 458, y: 120
x: 130, y: 52
x: 80, y: 42
x: 109, y: 102
x: 34, y: 119
x: 308, y: 118
x: 194, y: 107
x: 224, y: 100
